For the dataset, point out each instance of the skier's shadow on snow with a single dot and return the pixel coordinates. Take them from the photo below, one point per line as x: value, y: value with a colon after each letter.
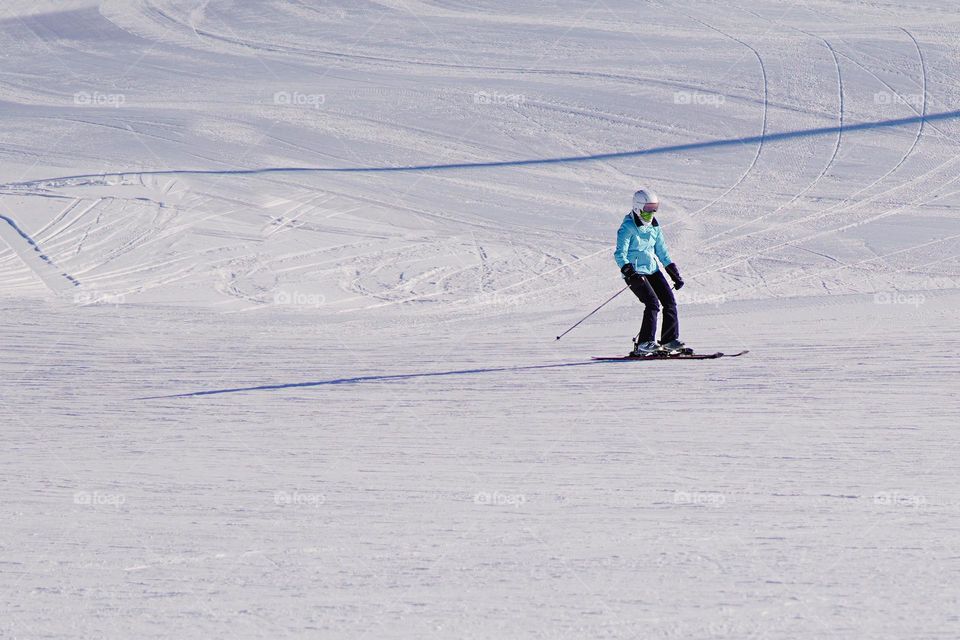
x: 360, y: 379
x: 676, y: 148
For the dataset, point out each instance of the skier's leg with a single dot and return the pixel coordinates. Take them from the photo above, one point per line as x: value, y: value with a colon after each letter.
x: 671, y: 322
x: 651, y: 308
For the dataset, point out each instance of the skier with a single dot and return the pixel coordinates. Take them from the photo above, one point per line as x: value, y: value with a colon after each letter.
x: 639, y: 246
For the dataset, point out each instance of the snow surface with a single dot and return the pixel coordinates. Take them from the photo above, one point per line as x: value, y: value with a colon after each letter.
x: 281, y: 283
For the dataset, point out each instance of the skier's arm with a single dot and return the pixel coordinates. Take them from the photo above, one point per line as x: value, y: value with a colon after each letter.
x: 668, y: 265
x: 623, y: 244
x: 661, y: 250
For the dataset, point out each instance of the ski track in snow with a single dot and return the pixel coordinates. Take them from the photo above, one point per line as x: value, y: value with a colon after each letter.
x: 763, y: 126
x: 830, y: 161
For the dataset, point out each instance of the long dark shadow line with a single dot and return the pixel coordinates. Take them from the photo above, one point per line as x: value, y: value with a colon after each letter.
x: 359, y: 379
x: 710, y: 144
x: 33, y: 245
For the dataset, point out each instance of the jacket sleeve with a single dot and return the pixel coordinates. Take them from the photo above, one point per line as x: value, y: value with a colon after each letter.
x: 660, y: 248
x: 623, y: 244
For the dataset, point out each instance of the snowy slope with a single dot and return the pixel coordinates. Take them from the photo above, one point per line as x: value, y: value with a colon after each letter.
x: 281, y: 282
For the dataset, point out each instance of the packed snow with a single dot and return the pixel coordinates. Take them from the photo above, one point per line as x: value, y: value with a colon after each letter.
x: 281, y: 284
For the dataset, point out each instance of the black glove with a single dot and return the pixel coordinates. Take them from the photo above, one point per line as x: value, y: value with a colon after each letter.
x: 630, y: 273
x: 674, y: 274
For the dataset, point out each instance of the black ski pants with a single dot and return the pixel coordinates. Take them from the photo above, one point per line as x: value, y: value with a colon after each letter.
x: 654, y: 292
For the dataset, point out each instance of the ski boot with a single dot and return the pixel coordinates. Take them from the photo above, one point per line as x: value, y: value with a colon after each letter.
x: 646, y: 349
x: 675, y: 347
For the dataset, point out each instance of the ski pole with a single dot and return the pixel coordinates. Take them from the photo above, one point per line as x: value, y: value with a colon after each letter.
x: 593, y: 312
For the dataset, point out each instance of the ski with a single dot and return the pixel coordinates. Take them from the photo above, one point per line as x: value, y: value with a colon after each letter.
x: 679, y: 356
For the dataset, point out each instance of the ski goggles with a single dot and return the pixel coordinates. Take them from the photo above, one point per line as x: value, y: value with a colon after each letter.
x: 650, y: 207
x: 646, y: 214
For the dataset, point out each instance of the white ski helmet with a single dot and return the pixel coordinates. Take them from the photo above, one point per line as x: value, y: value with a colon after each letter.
x: 645, y: 204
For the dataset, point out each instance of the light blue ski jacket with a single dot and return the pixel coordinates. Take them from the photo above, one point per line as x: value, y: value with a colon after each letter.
x: 641, y: 245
